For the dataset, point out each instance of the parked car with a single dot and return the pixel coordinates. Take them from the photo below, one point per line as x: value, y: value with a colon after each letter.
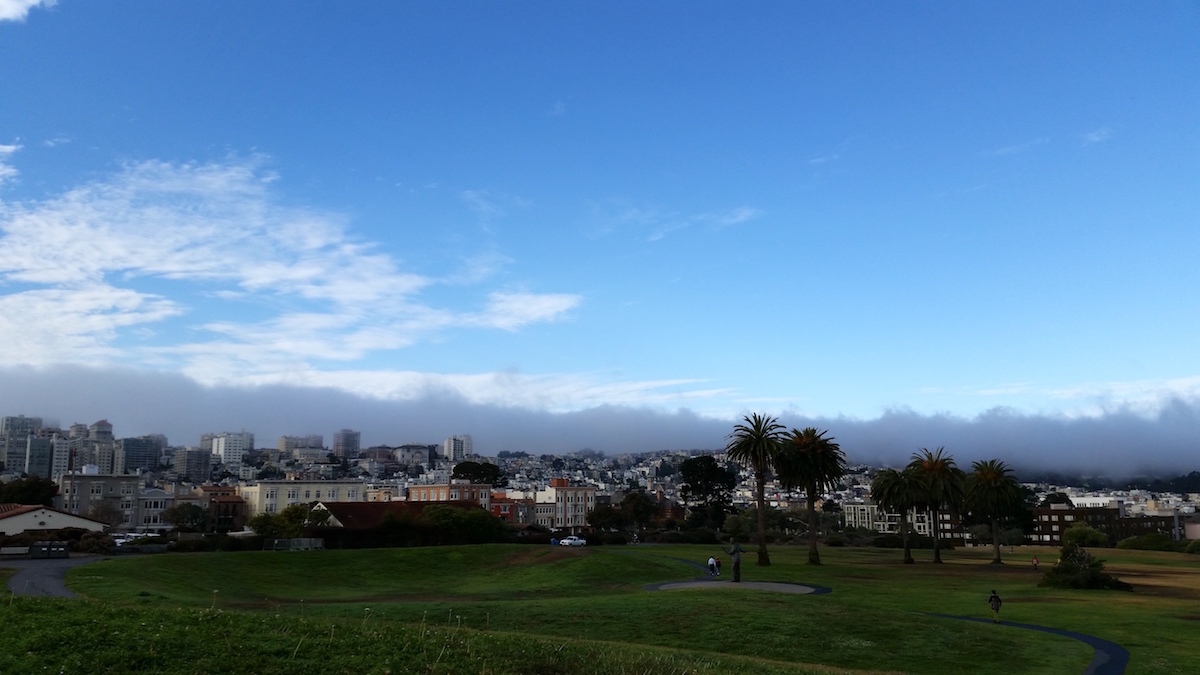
x: 572, y: 541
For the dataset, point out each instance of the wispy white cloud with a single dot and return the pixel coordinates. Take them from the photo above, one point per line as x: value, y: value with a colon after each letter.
x: 7, y: 171
x: 655, y: 224
x: 559, y: 108
x: 290, y: 287
x: 60, y: 139
x: 1098, y: 136
x: 824, y: 158
x: 1020, y: 148
x: 17, y: 10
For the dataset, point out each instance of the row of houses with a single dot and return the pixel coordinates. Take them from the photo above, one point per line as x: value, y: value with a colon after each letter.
x: 124, y: 503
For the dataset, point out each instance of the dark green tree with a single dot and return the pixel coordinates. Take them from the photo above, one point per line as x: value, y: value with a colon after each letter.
x: 32, y: 490
x: 992, y: 494
x: 707, y: 489
x: 942, y: 488
x: 480, y: 473
x: 608, y: 518
x: 756, y: 444
x: 898, y: 492
x: 810, y: 460
x: 1082, y: 534
x: 639, y: 508
x: 187, y: 517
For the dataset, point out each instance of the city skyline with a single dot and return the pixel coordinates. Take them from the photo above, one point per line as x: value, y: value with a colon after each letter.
x: 617, y: 227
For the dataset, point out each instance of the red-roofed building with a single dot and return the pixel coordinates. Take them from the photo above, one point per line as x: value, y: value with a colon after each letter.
x: 18, y: 518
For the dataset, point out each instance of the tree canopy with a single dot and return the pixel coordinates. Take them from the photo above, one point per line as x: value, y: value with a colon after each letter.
x: 708, y: 489
x: 810, y: 460
x: 480, y: 473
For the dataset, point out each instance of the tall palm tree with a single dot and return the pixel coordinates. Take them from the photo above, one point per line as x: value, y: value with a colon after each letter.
x: 942, y: 483
x: 992, y: 494
x: 898, y: 491
x: 756, y: 444
x: 810, y: 460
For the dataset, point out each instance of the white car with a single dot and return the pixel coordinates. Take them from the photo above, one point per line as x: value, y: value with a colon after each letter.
x: 572, y: 541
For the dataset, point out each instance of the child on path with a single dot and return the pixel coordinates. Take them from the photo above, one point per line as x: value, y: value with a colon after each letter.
x: 1035, y: 563
x: 712, y: 566
x: 718, y: 567
x: 994, y: 602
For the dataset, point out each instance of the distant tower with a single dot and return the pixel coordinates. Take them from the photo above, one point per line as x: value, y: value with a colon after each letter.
x: 346, y: 444
x: 456, y: 448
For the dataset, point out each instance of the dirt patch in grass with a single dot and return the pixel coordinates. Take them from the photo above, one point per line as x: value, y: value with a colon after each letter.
x: 541, y: 556
x: 1190, y: 617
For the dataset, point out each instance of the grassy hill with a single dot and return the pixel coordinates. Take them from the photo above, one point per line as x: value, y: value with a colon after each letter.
x: 522, y: 609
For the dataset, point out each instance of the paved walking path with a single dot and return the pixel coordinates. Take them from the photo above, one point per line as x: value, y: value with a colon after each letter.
x: 1109, y: 658
x: 43, y: 577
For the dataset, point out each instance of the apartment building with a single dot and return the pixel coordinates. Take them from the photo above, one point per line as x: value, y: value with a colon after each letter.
x: 271, y: 496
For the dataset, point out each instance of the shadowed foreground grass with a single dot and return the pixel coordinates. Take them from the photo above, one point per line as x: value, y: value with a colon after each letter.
x: 525, y: 607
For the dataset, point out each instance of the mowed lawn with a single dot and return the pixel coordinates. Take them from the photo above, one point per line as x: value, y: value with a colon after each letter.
x: 873, y: 621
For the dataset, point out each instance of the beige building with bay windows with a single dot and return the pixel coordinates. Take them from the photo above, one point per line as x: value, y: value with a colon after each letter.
x: 272, y: 496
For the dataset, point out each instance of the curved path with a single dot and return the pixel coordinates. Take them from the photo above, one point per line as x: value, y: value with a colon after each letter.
x: 1109, y: 658
x: 43, y: 577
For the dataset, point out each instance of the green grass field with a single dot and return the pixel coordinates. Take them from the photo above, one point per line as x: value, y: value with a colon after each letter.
x: 522, y: 609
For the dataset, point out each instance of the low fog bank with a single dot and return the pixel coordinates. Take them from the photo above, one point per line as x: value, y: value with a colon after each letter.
x: 1118, y: 444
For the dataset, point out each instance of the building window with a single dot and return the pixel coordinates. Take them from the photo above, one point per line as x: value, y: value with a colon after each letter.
x: 293, y: 493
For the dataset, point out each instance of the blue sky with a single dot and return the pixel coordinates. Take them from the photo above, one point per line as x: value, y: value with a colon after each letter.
x: 816, y: 210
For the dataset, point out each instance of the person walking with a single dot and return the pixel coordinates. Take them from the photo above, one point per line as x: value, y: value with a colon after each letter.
x: 1035, y: 563
x: 735, y: 554
x: 712, y: 566
x: 994, y: 602
x: 718, y: 567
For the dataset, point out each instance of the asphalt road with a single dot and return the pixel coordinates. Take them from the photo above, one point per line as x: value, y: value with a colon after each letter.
x: 43, y: 577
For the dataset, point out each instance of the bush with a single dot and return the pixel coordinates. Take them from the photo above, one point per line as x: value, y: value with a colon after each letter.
x: 1082, y: 534
x: 1076, y: 568
x: 1154, y: 541
x: 888, y: 541
x: 700, y: 535
x: 611, y: 538
x: 95, y: 542
x: 1193, y: 547
x: 835, y: 540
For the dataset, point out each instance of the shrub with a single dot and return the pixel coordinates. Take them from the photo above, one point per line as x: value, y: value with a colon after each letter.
x: 611, y: 538
x: 700, y: 535
x: 1154, y: 541
x: 888, y: 541
x: 1082, y: 534
x: 835, y: 540
x: 1076, y: 568
x: 95, y: 542
x: 1193, y: 547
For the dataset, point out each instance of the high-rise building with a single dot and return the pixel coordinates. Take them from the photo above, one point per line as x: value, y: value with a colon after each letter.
x: 456, y: 448
x: 231, y: 447
x: 39, y: 456
x: 193, y: 464
x: 20, y: 425
x: 131, y: 455
x: 300, y: 447
x: 346, y: 444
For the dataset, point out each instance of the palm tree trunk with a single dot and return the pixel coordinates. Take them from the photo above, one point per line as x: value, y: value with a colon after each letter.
x: 937, y: 540
x: 908, y: 559
x: 996, y: 542
x: 814, y: 557
x: 764, y: 559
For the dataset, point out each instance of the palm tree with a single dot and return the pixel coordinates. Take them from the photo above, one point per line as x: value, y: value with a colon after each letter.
x: 942, y: 486
x: 756, y: 444
x: 810, y: 460
x: 992, y: 494
x: 898, y: 491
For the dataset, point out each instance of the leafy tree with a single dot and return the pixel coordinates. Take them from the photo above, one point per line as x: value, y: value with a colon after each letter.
x: 1082, y: 534
x: 639, y: 508
x: 480, y: 473
x: 810, y: 460
x: 608, y: 518
x: 286, y: 524
x: 708, y: 488
x: 106, y: 511
x: 456, y: 525
x: 32, y: 490
x: 992, y: 494
x: 898, y: 491
x: 942, y: 487
x: 756, y: 444
x: 188, y: 517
